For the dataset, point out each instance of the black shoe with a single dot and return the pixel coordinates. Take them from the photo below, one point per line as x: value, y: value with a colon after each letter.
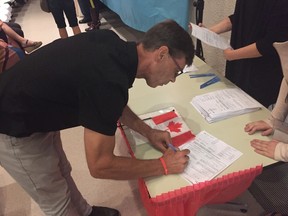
x: 93, y: 26
x: 104, y: 211
x: 85, y: 20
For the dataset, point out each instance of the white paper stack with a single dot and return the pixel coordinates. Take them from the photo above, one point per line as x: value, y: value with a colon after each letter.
x: 225, y: 103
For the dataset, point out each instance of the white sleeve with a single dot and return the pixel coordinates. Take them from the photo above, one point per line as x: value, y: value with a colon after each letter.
x: 280, y: 110
x: 281, y: 152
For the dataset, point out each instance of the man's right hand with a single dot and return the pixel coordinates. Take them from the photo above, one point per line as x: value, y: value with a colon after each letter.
x: 177, y: 161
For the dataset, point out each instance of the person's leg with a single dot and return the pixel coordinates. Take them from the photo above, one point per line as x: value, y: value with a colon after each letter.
x: 70, y: 12
x: 76, y: 30
x: 63, y: 33
x: 16, y: 27
x: 94, y: 12
x: 3, y: 36
x: 12, y: 34
x: 39, y: 165
x: 25, y: 43
x: 84, y: 7
x: 57, y: 10
x: 78, y: 201
x: 13, y: 25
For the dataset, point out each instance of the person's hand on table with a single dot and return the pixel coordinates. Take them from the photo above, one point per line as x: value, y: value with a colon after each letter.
x: 265, y: 148
x: 177, y: 161
x: 263, y: 126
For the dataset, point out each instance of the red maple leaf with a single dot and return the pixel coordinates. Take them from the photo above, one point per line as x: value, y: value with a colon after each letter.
x: 174, y: 127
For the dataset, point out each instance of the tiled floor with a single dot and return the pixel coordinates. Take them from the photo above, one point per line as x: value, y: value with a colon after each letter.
x: 123, y: 195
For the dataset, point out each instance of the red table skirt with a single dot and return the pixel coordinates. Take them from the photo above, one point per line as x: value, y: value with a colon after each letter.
x: 186, y: 201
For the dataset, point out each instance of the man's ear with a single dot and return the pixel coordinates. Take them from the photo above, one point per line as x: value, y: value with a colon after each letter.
x: 162, y: 52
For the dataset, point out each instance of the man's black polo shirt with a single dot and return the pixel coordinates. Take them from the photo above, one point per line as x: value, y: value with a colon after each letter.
x: 81, y: 80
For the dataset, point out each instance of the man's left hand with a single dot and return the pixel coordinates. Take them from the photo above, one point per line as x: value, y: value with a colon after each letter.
x: 159, y: 139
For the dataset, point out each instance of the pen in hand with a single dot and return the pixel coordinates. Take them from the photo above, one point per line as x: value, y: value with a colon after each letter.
x: 172, y: 147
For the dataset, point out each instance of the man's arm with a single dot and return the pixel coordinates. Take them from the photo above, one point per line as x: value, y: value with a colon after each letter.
x: 130, y: 119
x: 102, y: 163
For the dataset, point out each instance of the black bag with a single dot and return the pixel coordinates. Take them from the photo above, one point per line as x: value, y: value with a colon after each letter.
x: 45, y: 6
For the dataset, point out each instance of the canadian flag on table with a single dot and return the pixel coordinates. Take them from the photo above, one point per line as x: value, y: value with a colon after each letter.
x: 171, y: 122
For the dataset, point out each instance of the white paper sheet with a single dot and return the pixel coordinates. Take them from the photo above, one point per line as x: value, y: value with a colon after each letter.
x: 209, y: 156
x: 191, y: 68
x: 209, y: 37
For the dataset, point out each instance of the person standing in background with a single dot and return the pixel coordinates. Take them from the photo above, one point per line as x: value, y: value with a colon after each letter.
x: 58, y: 9
x: 276, y: 124
x: 253, y: 63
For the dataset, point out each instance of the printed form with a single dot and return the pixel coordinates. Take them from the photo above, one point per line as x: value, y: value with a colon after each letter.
x: 226, y: 103
x: 209, y: 156
x: 209, y: 37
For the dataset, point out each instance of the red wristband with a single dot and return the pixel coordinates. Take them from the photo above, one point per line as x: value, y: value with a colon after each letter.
x: 164, y: 165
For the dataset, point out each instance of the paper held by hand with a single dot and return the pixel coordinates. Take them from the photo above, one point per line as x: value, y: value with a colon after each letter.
x: 209, y: 37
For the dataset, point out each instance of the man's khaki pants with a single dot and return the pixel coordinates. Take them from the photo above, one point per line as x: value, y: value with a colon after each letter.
x: 39, y: 164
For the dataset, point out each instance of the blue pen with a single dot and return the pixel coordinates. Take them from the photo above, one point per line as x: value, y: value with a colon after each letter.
x: 201, y: 75
x: 210, y: 82
x: 172, y: 147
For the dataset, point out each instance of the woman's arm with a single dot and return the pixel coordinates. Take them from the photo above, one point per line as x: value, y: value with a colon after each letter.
x: 249, y: 51
x: 221, y: 27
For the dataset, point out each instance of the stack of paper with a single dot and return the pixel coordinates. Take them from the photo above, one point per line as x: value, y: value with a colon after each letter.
x: 209, y: 156
x: 223, y: 104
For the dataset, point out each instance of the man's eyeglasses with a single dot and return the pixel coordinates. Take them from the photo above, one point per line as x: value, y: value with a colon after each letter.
x: 178, y: 66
